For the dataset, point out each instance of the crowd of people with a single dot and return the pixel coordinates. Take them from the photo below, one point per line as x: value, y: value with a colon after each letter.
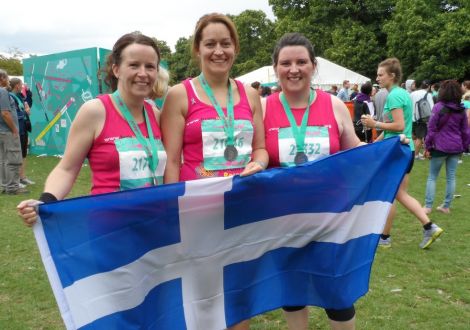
x: 212, y: 125
x: 15, y: 107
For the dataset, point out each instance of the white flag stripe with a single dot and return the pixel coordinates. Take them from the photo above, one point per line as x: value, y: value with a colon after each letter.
x: 201, y: 216
x: 241, y: 244
x: 52, y: 274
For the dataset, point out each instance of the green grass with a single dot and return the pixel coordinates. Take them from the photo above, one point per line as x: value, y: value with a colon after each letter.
x: 409, y: 288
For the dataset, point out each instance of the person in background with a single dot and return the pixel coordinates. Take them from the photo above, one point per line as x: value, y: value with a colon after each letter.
x: 132, y: 68
x: 10, y: 145
x: 448, y: 137
x: 355, y: 91
x: 362, y: 106
x: 343, y: 94
x: 265, y: 91
x: 160, y: 87
x: 420, y: 127
x: 397, y: 118
x: 22, y: 110
x: 326, y: 116
x: 333, y: 90
x: 410, y: 86
x: 379, y: 103
x: 257, y: 86
x: 197, y: 141
x: 27, y: 95
x: 435, y: 91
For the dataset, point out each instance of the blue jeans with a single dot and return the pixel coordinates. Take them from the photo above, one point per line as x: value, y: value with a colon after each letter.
x: 434, y: 169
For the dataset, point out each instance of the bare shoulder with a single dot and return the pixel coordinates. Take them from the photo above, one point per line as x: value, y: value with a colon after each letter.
x: 253, y: 97
x: 92, y: 110
x: 175, y: 100
x: 177, y: 91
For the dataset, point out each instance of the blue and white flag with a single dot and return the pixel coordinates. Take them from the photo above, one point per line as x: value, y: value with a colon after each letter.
x: 209, y: 253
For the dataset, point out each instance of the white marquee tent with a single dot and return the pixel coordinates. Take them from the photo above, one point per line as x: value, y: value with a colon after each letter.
x: 327, y: 74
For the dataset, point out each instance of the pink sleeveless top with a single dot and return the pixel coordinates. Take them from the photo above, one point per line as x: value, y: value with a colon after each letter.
x: 198, y: 111
x: 103, y: 156
x: 321, y: 114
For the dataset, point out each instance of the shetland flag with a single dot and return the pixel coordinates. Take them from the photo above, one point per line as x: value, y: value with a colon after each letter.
x: 209, y: 253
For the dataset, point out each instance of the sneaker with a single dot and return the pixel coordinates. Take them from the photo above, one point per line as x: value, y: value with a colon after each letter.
x: 21, y: 185
x: 443, y: 209
x: 430, y: 235
x: 26, y: 181
x: 18, y: 191
x: 385, y: 243
x: 427, y: 210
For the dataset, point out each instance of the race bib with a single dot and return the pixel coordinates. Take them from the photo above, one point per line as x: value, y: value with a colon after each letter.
x: 134, y: 165
x: 214, y: 143
x: 316, y: 144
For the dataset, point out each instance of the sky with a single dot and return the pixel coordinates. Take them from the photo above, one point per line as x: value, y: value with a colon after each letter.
x: 43, y: 27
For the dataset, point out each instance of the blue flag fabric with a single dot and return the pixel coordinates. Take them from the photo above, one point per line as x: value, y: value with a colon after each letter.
x: 209, y: 253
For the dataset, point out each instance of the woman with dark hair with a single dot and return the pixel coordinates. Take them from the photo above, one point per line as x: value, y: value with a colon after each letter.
x: 362, y: 106
x: 327, y: 128
x: 118, y: 133
x: 448, y: 137
x: 397, y: 116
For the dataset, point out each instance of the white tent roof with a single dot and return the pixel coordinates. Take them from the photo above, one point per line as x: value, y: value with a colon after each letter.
x: 327, y: 74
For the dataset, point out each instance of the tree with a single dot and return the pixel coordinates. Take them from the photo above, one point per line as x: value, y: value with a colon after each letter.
x: 357, y: 47
x: 428, y: 39
x: 257, y: 39
x: 165, y: 51
x: 349, y: 32
x: 181, y: 63
x: 12, y: 66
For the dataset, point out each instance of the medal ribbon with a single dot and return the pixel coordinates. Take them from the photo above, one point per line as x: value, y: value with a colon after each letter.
x: 20, y: 103
x: 298, y: 132
x: 229, y: 119
x: 151, y: 150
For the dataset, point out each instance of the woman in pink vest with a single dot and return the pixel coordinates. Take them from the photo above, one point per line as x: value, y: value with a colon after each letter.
x: 212, y: 125
x: 119, y: 133
x: 303, y: 124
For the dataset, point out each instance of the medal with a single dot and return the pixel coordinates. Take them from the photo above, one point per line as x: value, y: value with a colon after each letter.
x: 300, y: 158
x: 230, y: 153
x: 298, y: 131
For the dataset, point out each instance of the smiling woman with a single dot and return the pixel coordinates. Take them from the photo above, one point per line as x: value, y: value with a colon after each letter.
x: 303, y: 124
x: 118, y: 133
x: 213, y: 122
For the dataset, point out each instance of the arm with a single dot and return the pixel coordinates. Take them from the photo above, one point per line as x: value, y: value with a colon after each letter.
x: 173, y: 120
x: 8, y: 119
x: 398, y: 124
x: 348, y: 137
x: 259, y: 158
x: 85, y: 128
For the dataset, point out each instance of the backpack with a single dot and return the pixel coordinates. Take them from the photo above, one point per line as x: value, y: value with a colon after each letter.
x: 424, y: 109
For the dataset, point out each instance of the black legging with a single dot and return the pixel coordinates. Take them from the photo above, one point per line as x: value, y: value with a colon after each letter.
x: 339, y: 315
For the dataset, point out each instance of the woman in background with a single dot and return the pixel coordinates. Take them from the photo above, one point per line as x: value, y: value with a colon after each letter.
x: 448, y: 137
x: 397, y: 116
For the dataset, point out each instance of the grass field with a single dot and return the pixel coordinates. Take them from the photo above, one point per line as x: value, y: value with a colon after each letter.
x: 409, y: 288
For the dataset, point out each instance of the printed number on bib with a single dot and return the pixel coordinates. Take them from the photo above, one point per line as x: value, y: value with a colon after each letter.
x: 214, y: 144
x: 316, y: 144
x: 134, y: 164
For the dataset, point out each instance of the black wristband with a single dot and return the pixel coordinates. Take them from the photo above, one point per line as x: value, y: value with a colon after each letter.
x: 47, y: 197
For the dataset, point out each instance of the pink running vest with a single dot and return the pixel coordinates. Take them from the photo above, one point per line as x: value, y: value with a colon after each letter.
x: 321, y: 114
x: 198, y: 111
x: 103, y: 156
